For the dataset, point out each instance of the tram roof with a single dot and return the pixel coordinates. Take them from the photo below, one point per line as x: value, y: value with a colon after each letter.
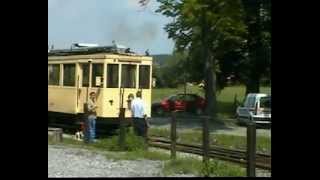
x: 102, y: 52
x: 99, y: 56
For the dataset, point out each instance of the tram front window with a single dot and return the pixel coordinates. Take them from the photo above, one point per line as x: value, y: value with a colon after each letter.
x: 54, y: 74
x: 128, y: 76
x: 85, y: 75
x: 97, y: 71
x: 69, y: 71
x: 113, y: 76
x: 144, y: 77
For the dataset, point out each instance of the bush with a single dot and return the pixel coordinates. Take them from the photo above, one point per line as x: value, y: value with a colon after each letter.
x: 132, y: 142
x: 220, y: 168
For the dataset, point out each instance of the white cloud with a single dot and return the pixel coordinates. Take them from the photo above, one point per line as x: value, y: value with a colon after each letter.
x: 133, y: 4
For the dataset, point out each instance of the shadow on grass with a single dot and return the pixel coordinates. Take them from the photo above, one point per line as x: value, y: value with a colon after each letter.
x: 228, y: 109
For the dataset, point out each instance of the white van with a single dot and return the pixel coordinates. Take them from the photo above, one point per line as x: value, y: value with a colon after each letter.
x: 256, y: 107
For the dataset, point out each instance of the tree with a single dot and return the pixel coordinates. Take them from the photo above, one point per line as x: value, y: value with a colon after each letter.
x: 203, y: 27
x: 258, y: 47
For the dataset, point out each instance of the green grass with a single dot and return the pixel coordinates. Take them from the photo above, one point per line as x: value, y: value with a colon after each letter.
x: 135, y: 147
x: 225, y: 98
x: 196, y: 167
x: 228, y: 141
x: 183, y: 166
x: 132, y: 143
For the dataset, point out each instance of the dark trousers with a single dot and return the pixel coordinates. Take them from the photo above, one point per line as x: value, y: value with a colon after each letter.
x: 139, y: 126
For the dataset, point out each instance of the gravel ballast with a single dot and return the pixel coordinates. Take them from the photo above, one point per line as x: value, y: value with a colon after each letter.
x: 74, y: 162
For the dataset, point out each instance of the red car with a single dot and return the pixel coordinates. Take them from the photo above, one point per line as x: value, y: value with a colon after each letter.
x: 182, y: 102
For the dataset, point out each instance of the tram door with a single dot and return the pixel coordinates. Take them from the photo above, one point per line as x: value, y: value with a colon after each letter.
x: 83, y: 86
x: 89, y: 73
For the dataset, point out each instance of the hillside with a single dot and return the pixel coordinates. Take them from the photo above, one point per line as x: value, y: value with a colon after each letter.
x: 160, y: 58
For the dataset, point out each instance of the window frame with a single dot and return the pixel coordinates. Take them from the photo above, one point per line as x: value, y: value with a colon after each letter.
x: 59, y: 75
x: 149, y: 77
x: 135, y: 78
x: 92, y: 75
x: 107, y: 75
x: 82, y: 72
x: 63, y: 76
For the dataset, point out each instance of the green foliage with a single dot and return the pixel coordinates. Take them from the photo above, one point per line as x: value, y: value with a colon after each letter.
x: 197, y: 167
x: 182, y: 166
x: 236, y: 34
x: 220, y: 168
x: 171, y: 66
x: 132, y: 142
x: 205, y: 29
x: 257, y: 50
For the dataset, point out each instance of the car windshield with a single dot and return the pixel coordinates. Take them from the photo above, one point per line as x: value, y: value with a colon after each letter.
x: 265, y: 102
x: 172, y: 98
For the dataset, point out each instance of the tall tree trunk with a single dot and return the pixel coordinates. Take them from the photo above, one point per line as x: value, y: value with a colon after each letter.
x: 210, y: 87
x: 252, y: 8
x: 209, y: 71
x: 253, y: 85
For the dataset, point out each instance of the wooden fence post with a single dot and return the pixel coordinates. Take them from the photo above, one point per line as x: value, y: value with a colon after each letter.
x: 122, y: 128
x: 173, y: 134
x: 205, y: 138
x: 251, y: 149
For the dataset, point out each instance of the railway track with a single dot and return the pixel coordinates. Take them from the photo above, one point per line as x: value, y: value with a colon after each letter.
x: 263, y: 161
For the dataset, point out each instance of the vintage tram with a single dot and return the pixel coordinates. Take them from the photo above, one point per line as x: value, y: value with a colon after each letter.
x: 114, y: 73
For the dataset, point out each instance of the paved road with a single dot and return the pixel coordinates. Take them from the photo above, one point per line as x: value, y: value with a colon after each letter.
x: 194, y: 123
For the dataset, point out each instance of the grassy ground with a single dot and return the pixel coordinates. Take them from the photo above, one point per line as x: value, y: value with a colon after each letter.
x: 135, y: 148
x: 225, y: 98
x: 228, y: 141
x: 196, y: 167
x: 182, y: 165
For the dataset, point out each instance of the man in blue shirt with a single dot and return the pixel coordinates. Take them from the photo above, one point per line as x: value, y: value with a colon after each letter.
x: 91, y: 118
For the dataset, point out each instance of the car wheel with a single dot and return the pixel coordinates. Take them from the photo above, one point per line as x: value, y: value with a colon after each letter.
x: 160, y: 111
x: 199, y: 111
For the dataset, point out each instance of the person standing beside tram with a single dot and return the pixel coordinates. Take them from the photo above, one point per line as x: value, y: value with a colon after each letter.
x: 138, y: 110
x: 90, y: 127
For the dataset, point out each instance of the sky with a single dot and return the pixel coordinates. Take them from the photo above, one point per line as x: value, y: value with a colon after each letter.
x: 102, y: 21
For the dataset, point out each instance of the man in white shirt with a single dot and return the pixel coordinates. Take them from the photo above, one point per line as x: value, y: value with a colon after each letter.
x: 138, y: 109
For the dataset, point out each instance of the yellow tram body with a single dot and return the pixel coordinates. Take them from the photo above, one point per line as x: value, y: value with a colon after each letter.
x: 111, y: 75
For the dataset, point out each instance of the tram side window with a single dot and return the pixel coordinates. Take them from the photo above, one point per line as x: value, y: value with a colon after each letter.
x: 128, y: 76
x: 113, y: 76
x: 69, y: 72
x: 85, y: 75
x: 144, y: 77
x: 97, y: 70
x: 54, y: 74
